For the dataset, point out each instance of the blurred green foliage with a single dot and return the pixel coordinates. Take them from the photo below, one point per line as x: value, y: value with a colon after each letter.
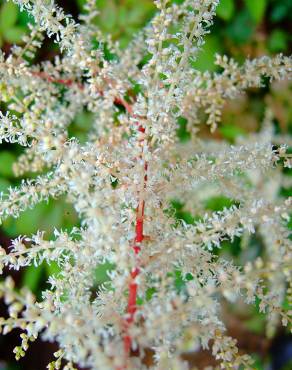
x: 13, y: 24
x: 122, y: 19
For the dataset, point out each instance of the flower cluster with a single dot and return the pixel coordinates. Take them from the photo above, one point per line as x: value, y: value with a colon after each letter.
x: 122, y: 182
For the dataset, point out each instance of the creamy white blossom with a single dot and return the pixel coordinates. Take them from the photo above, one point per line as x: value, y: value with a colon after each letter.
x: 122, y: 182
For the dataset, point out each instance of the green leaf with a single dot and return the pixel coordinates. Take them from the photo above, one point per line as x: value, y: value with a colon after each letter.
x: 218, y: 203
x: 52, y: 268
x: 53, y: 216
x: 256, y: 323
x: 182, y: 132
x: 150, y: 292
x: 32, y: 277
x: 44, y: 216
x: 81, y: 4
x: 101, y: 275
x: 29, y: 221
x: 122, y: 18
x: 258, y: 363
x: 14, y: 35
x: 24, y: 18
x: 8, y: 15
x: 6, y: 161
x: 281, y: 9
x: 179, y: 282
x: 206, y: 58
x: 231, y: 132
x: 4, y: 184
x: 108, y: 17
x: 241, y: 29
x: 225, y: 9
x: 278, y: 41
x: 256, y: 9
x: 139, y: 301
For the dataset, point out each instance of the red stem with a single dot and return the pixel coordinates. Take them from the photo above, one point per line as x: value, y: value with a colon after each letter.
x: 69, y: 82
x: 133, y: 286
x: 139, y: 235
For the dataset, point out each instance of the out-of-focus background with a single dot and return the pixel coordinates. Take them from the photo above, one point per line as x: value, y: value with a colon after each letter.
x: 243, y: 28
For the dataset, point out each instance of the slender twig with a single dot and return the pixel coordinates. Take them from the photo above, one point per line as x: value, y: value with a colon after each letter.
x: 139, y: 236
x: 139, y: 225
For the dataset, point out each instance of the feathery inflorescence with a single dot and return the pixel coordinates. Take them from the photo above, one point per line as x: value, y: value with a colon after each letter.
x: 122, y: 182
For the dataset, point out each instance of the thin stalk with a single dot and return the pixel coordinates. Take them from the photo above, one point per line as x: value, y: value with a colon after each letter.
x: 139, y: 236
x: 139, y: 226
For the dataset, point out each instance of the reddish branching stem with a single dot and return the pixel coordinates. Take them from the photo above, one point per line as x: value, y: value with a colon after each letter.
x: 69, y: 83
x: 66, y: 81
x: 139, y: 236
x: 139, y: 227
